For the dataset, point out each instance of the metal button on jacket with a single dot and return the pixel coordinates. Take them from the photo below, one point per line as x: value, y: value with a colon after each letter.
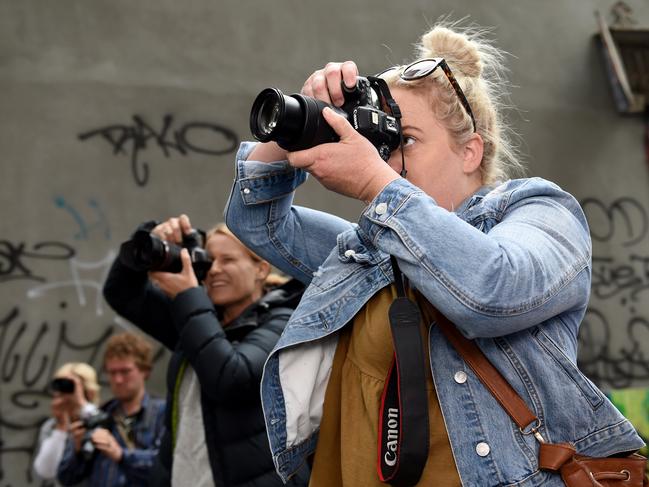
x: 482, y: 449
x: 460, y: 377
x: 381, y: 208
x: 349, y: 253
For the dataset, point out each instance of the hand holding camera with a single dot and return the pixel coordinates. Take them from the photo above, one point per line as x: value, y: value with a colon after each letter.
x: 174, y: 283
x: 68, y: 399
x: 83, y: 433
x: 350, y: 167
x: 158, y: 249
x: 176, y: 230
x: 305, y: 126
x: 327, y: 84
x: 105, y: 442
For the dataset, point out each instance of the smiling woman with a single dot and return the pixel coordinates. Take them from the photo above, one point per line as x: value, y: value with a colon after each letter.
x: 221, y: 333
x: 237, y: 276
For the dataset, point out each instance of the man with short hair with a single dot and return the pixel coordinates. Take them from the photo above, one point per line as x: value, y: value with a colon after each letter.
x: 118, y: 449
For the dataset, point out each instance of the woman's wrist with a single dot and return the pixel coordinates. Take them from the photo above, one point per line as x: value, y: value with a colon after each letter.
x: 267, y: 152
x: 377, y: 183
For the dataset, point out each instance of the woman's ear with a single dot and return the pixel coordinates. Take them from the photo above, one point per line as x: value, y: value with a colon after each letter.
x: 263, y: 269
x: 473, y: 150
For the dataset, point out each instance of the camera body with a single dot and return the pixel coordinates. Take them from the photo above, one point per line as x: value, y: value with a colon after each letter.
x: 147, y: 252
x: 295, y: 122
x: 100, y: 419
x: 62, y: 385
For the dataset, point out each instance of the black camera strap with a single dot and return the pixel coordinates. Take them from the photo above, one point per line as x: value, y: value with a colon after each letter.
x: 382, y: 87
x: 403, y: 417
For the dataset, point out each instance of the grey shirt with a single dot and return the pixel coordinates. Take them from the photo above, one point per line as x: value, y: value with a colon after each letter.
x: 191, y: 464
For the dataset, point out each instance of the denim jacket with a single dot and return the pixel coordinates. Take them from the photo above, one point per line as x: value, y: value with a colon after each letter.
x: 134, y: 467
x: 511, y: 267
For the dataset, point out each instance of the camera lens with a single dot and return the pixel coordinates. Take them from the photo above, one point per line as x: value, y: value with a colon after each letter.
x: 275, y: 116
x: 62, y: 385
x: 149, y: 250
x: 146, y: 252
x: 269, y: 114
x: 295, y: 122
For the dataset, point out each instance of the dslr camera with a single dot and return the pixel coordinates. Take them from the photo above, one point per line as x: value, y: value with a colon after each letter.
x: 62, y: 385
x: 100, y: 419
x: 295, y: 122
x: 146, y: 252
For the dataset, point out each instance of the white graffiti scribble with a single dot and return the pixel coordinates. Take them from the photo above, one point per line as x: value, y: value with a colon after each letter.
x: 81, y: 284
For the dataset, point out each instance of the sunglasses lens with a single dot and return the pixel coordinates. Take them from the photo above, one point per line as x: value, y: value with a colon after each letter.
x: 378, y: 75
x: 420, y: 69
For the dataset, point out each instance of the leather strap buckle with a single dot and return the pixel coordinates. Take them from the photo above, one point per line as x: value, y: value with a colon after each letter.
x: 533, y: 430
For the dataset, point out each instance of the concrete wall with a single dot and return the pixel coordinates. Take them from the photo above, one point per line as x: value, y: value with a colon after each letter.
x: 118, y: 112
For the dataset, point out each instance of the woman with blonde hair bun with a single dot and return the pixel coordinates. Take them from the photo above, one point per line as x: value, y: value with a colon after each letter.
x: 507, y: 261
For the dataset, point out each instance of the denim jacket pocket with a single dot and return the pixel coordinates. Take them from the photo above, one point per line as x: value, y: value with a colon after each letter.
x: 361, y: 273
x: 589, y: 391
x: 352, y: 250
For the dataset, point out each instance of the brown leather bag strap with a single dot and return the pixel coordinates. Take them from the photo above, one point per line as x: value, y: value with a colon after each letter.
x: 493, y: 380
x: 555, y: 457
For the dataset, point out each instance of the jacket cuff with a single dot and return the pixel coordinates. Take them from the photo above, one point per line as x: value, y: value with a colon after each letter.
x: 188, y: 303
x: 260, y: 182
x: 386, y: 205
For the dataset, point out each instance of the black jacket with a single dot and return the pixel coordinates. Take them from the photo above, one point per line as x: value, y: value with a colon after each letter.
x: 228, y: 362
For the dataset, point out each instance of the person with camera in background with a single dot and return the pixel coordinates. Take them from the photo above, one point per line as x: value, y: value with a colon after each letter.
x: 446, y: 244
x: 75, y: 395
x: 220, y: 333
x: 117, y: 445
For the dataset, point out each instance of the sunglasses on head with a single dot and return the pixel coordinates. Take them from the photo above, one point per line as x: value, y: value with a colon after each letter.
x: 425, y: 67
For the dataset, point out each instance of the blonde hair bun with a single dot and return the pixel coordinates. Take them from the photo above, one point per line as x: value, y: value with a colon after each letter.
x: 460, y: 52
x: 480, y: 69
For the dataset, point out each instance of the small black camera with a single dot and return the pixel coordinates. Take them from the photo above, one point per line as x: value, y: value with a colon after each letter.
x: 146, y: 252
x: 100, y: 419
x: 295, y: 122
x: 62, y: 385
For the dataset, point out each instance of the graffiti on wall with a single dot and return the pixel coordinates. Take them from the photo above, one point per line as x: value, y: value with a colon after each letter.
x: 31, y: 349
x: 52, y: 310
x: 18, y: 259
x: 131, y: 140
x: 614, y: 335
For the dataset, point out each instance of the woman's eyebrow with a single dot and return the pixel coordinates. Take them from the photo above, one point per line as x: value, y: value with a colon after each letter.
x: 411, y: 128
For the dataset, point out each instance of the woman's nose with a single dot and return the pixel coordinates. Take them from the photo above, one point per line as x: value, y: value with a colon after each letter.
x: 215, y: 267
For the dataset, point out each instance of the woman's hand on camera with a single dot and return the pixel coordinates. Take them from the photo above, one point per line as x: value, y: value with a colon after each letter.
x: 174, y: 283
x: 173, y: 229
x: 326, y: 84
x: 351, y: 167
